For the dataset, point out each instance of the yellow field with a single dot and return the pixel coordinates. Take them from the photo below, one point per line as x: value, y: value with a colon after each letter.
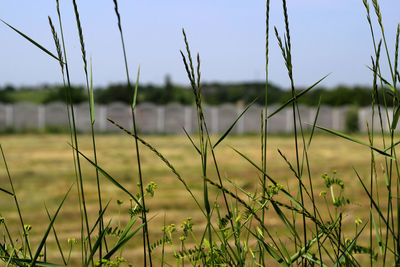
x: 42, y: 170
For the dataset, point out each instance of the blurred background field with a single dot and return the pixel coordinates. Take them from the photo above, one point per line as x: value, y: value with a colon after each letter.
x: 42, y: 170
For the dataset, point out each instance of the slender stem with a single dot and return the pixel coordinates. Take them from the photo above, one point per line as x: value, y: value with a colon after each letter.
x: 145, y: 232
x: 294, y: 106
x: 265, y: 134
x: 16, y: 202
x: 77, y: 164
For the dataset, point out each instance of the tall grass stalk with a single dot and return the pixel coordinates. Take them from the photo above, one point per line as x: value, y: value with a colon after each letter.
x: 377, y: 72
x: 74, y: 139
x: 204, y: 138
x: 146, y: 241
x: 389, y: 167
x: 264, y: 124
x: 195, y: 84
x: 375, y: 96
x: 286, y: 49
x: 92, y: 121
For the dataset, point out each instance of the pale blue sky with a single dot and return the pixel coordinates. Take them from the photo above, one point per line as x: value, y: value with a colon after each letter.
x: 327, y: 36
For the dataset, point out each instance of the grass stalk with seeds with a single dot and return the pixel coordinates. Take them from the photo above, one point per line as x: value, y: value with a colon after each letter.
x: 146, y: 240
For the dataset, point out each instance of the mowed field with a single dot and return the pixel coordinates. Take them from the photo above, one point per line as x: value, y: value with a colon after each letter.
x: 42, y: 170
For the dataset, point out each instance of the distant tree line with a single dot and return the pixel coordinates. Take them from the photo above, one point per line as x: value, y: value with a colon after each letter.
x: 213, y: 94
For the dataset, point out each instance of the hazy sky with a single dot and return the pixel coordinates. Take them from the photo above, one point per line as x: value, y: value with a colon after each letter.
x: 327, y: 36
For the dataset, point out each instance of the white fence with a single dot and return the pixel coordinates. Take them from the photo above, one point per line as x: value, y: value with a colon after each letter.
x: 172, y: 118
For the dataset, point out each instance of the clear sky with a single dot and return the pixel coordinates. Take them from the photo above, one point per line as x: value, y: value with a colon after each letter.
x: 327, y: 36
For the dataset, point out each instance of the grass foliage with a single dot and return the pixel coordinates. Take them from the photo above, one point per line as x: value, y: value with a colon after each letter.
x: 236, y: 228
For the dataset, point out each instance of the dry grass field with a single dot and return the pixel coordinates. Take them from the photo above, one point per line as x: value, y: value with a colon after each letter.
x: 42, y: 170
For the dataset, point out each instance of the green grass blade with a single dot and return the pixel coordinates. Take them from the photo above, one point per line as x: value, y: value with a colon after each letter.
x: 390, y: 147
x: 383, y: 80
x: 10, y: 257
x: 313, y: 259
x: 234, y: 123
x: 289, y: 196
x: 205, y: 190
x: 349, y: 248
x: 163, y: 244
x: 395, y: 118
x: 91, y: 95
x: 374, y: 203
x: 99, y: 217
x: 269, y: 248
x: 296, y: 97
x: 109, y: 177
x: 314, y: 123
x: 191, y: 141
x: 98, y: 242
x: 25, y: 262
x: 307, y: 247
x: 378, y: 235
x: 32, y: 41
x: 247, y: 194
x: 136, y: 89
x: 283, y: 218
x: 6, y: 191
x: 56, y: 237
x: 353, y: 140
x: 127, y: 228
x: 285, y: 250
x: 121, y: 242
x: 43, y: 241
x: 7, y: 257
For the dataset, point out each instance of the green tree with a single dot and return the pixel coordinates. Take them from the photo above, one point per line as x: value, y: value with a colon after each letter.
x: 58, y: 93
